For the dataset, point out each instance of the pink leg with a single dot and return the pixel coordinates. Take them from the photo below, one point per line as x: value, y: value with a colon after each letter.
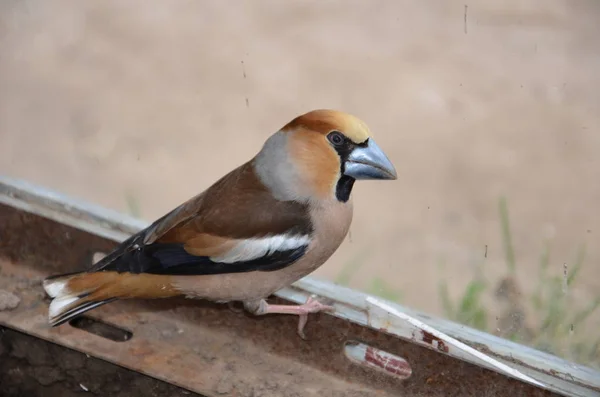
x: 311, y: 306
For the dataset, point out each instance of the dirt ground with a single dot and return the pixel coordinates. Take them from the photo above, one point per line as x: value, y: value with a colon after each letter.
x: 31, y: 367
x: 136, y: 106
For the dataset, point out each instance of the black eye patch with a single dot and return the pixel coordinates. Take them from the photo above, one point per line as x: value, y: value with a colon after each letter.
x: 337, y: 138
x: 342, y: 145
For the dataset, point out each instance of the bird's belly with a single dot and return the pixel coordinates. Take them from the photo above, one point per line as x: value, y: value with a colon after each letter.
x: 331, y: 225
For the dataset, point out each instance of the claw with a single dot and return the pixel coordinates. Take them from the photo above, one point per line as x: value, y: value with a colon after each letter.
x: 312, y: 305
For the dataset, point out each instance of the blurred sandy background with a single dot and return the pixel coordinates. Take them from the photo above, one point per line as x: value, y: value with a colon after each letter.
x: 145, y: 104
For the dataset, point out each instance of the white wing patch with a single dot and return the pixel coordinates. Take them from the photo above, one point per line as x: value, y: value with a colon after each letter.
x: 249, y: 249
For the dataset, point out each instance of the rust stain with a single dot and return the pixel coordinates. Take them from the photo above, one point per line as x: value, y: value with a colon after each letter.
x: 388, y: 363
x: 429, y: 338
x: 142, y: 350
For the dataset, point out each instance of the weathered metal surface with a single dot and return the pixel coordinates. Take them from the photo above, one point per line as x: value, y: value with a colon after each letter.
x: 212, y: 350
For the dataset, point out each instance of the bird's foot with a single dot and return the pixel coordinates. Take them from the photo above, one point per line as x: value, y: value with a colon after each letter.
x: 312, y: 305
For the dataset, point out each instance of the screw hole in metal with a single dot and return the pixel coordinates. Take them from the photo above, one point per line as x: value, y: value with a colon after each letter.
x: 101, y: 329
x: 376, y: 359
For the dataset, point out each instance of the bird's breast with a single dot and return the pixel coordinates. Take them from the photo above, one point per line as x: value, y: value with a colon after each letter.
x: 331, y: 223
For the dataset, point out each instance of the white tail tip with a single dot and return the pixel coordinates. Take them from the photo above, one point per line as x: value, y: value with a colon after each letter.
x: 56, y: 287
x: 59, y: 305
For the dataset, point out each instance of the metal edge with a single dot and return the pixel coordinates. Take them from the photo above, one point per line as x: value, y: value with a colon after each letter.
x: 557, y: 374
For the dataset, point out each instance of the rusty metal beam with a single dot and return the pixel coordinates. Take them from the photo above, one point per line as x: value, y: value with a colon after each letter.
x: 33, y: 367
x: 361, y: 350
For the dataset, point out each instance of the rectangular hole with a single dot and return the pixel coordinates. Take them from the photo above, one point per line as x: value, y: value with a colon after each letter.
x: 101, y: 329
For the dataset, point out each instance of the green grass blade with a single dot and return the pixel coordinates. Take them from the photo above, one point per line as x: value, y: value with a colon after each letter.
x: 480, y: 319
x: 572, y: 273
x: 444, y: 295
x: 537, y: 298
x: 471, y: 298
x: 581, y: 316
x: 380, y: 288
x: 446, y: 300
x: 471, y: 303
x: 506, y: 236
x: 555, y: 311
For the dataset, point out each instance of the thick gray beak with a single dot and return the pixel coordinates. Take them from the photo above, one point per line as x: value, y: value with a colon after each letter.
x: 369, y: 162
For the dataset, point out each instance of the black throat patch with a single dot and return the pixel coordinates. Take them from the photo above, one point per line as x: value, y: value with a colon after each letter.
x: 345, y: 184
x: 344, y: 188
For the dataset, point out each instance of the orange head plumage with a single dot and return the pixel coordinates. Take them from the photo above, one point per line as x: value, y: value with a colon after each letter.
x: 319, y: 155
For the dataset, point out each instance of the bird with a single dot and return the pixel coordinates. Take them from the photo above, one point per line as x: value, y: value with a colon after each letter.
x: 259, y: 228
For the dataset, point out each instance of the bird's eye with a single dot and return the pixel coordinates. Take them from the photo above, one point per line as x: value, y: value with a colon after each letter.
x: 336, y: 138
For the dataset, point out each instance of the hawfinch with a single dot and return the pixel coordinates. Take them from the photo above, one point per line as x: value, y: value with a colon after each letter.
x: 261, y: 227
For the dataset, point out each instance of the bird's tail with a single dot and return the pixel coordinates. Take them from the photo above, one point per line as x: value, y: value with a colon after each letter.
x: 75, y: 293
x: 72, y: 295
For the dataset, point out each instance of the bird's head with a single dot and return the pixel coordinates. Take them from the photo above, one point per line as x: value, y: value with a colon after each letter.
x: 319, y: 155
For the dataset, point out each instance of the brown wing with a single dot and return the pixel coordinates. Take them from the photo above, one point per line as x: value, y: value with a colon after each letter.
x: 237, y: 208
